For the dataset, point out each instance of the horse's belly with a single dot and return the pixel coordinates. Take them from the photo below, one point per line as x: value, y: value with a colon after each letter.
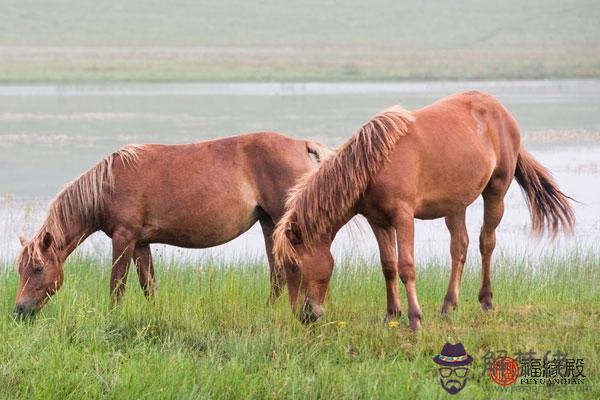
x: 452, y: 199
x: 448, y: 185
x: 432, y: 209
x: 202, y: 233
x: 210, y: 221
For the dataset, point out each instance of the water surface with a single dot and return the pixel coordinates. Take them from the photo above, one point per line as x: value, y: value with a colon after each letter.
x: 50, y: 134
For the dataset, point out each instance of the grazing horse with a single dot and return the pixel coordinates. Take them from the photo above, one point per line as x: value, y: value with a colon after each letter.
x: 399, y: 166
x: 190, y: 195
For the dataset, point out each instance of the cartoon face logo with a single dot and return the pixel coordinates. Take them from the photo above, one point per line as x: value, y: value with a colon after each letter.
x: 453, y: 370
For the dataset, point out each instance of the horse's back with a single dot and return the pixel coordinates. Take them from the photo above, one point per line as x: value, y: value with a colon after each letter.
x: 450, y: 153
x: 206, y: 193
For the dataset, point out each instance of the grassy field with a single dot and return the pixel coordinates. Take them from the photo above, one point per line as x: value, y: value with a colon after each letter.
x: 139, y: 40
x: 209, y: 334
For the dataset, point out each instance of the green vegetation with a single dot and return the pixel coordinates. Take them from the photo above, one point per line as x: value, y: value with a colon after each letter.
x: 209, y: 334
x: 139, y: 40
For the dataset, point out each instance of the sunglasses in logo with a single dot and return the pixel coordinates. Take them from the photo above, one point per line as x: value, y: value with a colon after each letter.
x: 445, y: 372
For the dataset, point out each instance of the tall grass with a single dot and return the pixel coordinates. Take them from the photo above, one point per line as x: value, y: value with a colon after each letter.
x: 209, y: 333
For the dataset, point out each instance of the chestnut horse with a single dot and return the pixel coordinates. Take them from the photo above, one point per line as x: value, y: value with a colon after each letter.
x: 190, y: 195
x: 399, y: 166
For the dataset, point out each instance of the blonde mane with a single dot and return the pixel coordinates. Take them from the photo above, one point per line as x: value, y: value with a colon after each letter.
x: 81, y: 201
x: 324, y: 197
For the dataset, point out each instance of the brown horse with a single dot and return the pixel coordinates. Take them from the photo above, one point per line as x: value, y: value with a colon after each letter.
x: 191, y: 195
x: 399, y: 166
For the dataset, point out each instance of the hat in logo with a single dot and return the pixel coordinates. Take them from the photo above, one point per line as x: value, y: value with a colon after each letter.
x: 453, y: 355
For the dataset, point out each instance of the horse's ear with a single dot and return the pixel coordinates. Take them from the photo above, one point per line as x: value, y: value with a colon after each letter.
x: 23, y: 241
x: 47, y: 241
x: 293, y: 234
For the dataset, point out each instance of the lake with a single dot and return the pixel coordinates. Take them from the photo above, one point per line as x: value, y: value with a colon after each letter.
x: 50, y: 134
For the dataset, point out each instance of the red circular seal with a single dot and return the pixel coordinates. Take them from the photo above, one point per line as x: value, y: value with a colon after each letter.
x: 504, y: 371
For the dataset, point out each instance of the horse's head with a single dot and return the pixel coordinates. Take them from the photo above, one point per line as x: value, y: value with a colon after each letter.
x: 41, y: 274
x: 308, y: 271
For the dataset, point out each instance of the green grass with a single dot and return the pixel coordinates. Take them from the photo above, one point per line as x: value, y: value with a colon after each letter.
x: 209, y: 333
x: 73, y: 41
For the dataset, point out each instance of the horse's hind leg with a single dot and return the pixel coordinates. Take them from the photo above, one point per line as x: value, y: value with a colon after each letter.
x: 459, y: 242
x: 386, y: 240
x: 493, y: 200
x: 123, y: 242
x: 142, y: 257
x: 276, y: 271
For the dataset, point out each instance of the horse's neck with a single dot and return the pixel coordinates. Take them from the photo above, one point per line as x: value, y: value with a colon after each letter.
x: 73, y: 234
x: 343, y: 221
x: 75, y: 240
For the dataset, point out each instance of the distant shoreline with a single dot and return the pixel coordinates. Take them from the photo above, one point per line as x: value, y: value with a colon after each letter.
x: 500, y: 87
x: 53, y: 64
x: 139, y: 77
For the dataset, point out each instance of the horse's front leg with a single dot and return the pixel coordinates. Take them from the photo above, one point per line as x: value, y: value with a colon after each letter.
x: 405, y: 233
x: 277, y: 272
x: 459, y: 242
x: 142, y: 258
x: 123, y: 242
x: 386, y: 240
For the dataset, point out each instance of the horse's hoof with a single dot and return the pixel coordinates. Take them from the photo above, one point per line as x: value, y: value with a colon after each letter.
x: 392, y: 316
x: 415, y: 326
x: 485, y: 299
x: 486, y: 304
x: 447, y: 308
x: 415, y: 322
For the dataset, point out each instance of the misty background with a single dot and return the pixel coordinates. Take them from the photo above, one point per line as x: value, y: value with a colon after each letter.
x: 79, y: 79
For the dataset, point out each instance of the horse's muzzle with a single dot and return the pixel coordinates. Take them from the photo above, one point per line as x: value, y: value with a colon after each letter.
x: 310, y: 312
x: 25, y: 309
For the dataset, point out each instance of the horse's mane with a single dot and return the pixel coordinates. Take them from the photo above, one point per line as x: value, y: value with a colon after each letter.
x: 324, y: 197
x: 81, y: 201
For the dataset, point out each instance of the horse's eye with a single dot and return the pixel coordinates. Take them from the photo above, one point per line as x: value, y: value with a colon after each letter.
x: 37, y: 269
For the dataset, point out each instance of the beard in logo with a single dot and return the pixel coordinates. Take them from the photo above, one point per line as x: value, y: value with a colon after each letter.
x: 453, y: 386
x: 453, y: 379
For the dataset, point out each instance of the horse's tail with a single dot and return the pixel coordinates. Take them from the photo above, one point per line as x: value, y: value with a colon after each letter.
x: 318, y: 150
x: 327, y: 195
x: 549, y: 207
